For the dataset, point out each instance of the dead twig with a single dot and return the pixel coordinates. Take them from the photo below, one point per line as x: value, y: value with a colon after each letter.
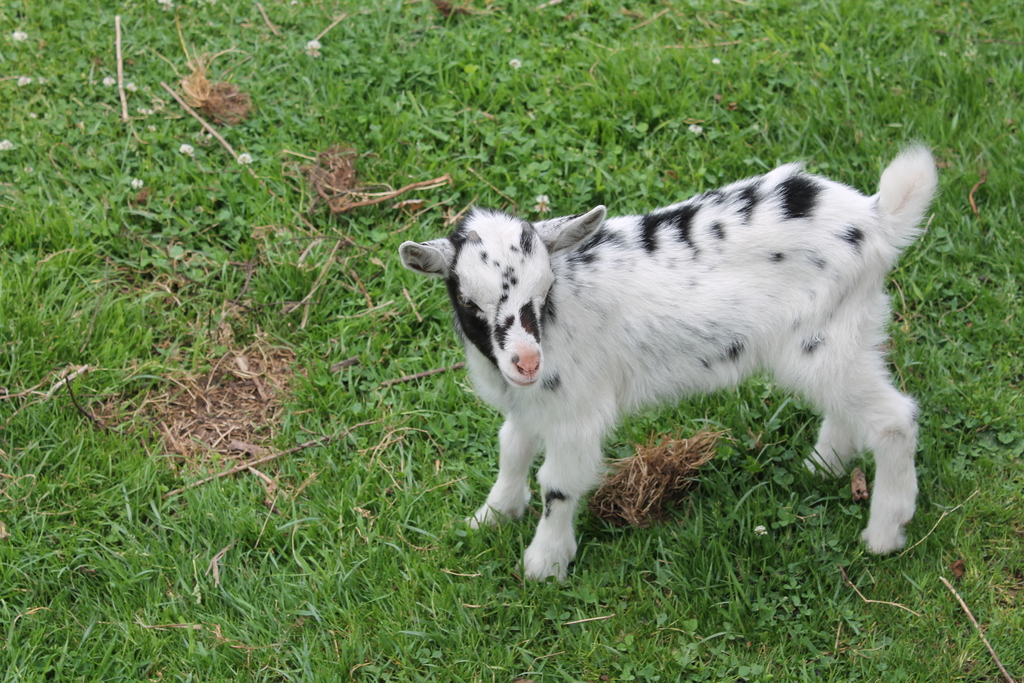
x: 386, y: 196
x: 316, y: 285
x: 970, y: 196
x: 215, y: 563
x: 583, y: 621
x: 266, y: 20
x: 366, y: 294
x: 409, y: 299
x: 209, y: 129
x: 849, y: 583
x: 333, y: 24
x: 981, y: 633
x: 707, y: 45
x: 65, y: 378
x: 120, y: 68
x: 419, y: 375
x: 471, y: 576
x: 342, y: 364
x: 447, y: 483
x: 644, y: 23
x: 248, y: 464
x: 941, y: 517
x: 190, y: 627
x: 96, y: 421
x: 490, y: 185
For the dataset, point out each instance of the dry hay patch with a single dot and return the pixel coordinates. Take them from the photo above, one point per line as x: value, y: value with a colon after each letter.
x: 229, y: 413
x: 332, y: 177
x: 223, y: 102
x: 639, y: 488
x: 333, y: 180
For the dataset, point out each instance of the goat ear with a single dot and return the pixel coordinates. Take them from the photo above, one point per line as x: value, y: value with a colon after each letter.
x: 562, y: 233
x: 433, y: 258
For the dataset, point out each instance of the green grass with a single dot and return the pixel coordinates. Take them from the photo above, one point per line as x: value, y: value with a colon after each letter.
x: 367, y: 574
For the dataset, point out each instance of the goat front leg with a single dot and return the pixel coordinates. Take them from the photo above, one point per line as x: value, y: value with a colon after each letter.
x: 511, y: 492
x: 571, y: 468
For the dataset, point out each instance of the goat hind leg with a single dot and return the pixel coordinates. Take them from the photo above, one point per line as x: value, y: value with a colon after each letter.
x: 834, y: 450
x: 893, y: 438
x: 884, y: 421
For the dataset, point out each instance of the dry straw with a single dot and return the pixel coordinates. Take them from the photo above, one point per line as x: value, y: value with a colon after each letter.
x: 333, y: 181
x: 640, y: 488
x: 230, y: 412
x: 223, y: 102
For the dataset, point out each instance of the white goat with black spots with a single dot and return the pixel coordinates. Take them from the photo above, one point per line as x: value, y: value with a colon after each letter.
x: 570, y: 322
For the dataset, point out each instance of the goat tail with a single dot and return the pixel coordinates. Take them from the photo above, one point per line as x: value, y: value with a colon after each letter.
x: 904, y: 193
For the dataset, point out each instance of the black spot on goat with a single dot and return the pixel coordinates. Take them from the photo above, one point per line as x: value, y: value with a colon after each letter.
x: 550, y: 497
x: 854, y: 236
x: 528, y: 319
x: 552, y: 382
x: 799, y: 194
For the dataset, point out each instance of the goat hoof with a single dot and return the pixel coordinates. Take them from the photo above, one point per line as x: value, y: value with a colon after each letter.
x: 881, y: 541
x: 540, y: 564
x: 490, y: 516
x: 825, y: 468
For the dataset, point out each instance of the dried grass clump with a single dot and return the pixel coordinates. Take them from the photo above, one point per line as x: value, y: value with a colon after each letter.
x: 446, y: 9
x: 333, y: 182
x: 229, y: 413
x: 333, y: 177
x: 223, y: 102
x: 640, y: 488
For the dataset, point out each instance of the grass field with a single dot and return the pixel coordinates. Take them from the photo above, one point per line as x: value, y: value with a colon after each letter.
x: 166, y: 315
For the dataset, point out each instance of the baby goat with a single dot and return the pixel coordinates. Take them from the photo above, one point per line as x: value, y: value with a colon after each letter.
x: 570, y: 322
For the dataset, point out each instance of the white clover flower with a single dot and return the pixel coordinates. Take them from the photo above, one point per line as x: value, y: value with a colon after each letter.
x: 130, y: 87
x: 109, y: 81
x: 137, y: 184
x: 313, y: 48
x: 245, y: 158
x: 151, y: 129
x: 187, y: 150
x: 716, y: 60
x: 33, y: 115
x: 515, y: 63
x: 695, y: 129
x: 25, y: 80
x: 145, y: 111
x: 167, y: 4
x: 6, y: 145
x: 760, y: 530
x: 542, y: 205
x: 19, y: 36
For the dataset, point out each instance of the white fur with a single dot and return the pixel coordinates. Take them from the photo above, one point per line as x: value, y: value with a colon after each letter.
x: 646, y: 316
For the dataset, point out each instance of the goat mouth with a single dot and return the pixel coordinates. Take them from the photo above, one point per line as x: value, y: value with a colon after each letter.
x: 522, y: 382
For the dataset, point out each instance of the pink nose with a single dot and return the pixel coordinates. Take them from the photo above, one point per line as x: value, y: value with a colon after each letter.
x: 527, y: 362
